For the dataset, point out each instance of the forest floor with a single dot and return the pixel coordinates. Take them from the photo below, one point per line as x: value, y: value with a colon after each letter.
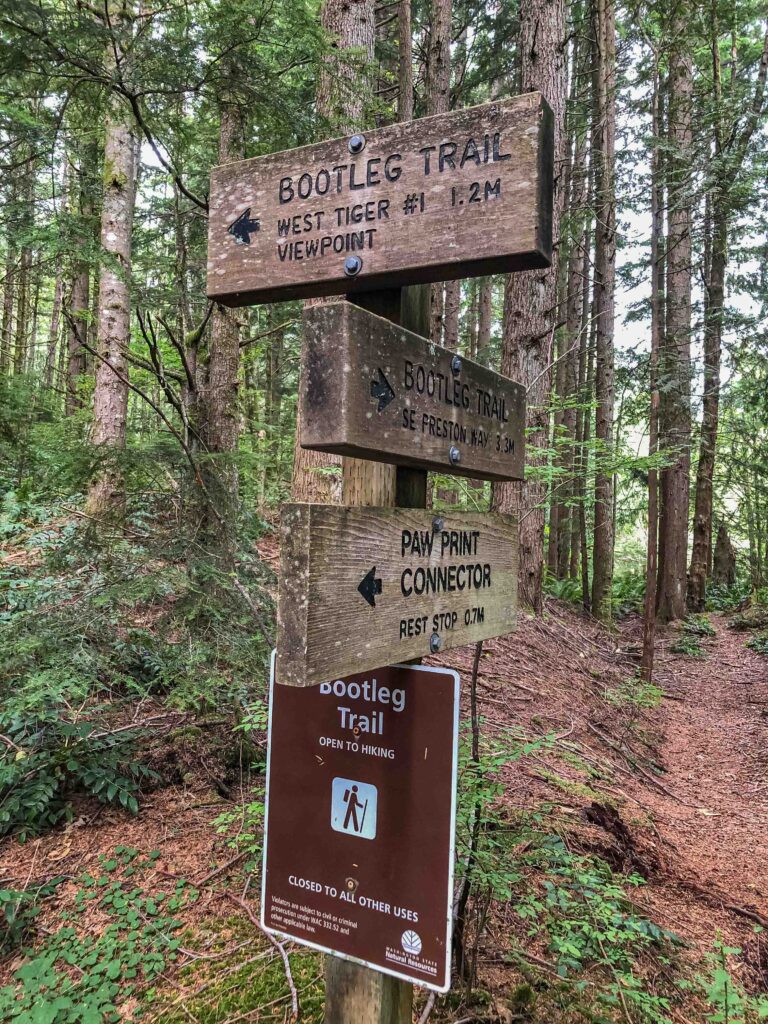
x: 666, y: 785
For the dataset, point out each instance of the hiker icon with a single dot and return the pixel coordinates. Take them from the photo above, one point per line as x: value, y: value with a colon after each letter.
x: 353, y: 808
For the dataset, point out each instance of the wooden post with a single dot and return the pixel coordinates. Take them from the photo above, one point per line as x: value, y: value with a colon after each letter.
x: 356, y: 994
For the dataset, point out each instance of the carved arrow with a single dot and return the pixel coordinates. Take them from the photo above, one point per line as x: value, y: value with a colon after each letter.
x: 244, y: 227
x: 370, y: 586
x: 382, y: 390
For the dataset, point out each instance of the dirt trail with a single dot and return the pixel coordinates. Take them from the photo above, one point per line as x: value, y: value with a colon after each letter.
x: 715, y: 756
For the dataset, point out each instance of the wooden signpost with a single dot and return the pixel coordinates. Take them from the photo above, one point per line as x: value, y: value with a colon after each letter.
x: 373, y: 390
x: 366, y: 587
x: 451, y: 196
x: 454, y: 195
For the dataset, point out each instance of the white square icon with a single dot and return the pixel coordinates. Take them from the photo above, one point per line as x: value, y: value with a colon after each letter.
x: 353, y: 808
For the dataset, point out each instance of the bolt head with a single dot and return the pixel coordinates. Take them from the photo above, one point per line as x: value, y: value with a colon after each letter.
x: 454, y: 455
x: 438, y: 523
x: 456, y: 364
x: 356, y: 144
x: 352, y: 266
x: 435, y: 643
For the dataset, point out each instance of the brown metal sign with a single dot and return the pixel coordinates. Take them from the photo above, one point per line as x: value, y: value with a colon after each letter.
x: 360, y: 819
x: 362, y: 587
x: 373, y: 390
x: 453, y: 195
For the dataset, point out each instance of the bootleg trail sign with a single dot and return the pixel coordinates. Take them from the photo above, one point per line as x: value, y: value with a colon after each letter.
x: 358, y: 851
x: 374, y: 390
x: 453, y: 195
x: 363, y: 587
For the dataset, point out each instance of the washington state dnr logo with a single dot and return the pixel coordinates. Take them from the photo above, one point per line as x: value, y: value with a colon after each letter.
x: 242, y: 229
x: 411, y: 942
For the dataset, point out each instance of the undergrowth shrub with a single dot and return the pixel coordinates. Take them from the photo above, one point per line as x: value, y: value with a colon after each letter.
x: 627, y: 593
x: 564, y: 590
x: 634, y: 692
x: 588, y: 922
x: 726, y: 999
x: 698, y: 625
x: 90, y: 629
x: 759, y: 643
x: 688, y: 645
x: 720, y: 598
x: 78, y: 976
x: 47, y: 756
x: 18, y: 911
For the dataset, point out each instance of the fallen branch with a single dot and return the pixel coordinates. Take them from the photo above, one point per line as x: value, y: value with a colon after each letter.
x: 220, y: 871
x: 751, y: 915
x: 639, y: 768
x: 428, y: 1008
x: 278, y: 946
x: 255, y: 610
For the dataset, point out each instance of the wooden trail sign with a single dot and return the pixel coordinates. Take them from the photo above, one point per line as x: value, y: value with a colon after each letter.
x: 448, y: 196
x: 373, y: 390
x: 365, y: 587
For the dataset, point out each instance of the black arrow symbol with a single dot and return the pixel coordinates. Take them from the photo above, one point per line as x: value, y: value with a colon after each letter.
x: 382, y: 390
x: 370, y: 587
x: 243, y: 228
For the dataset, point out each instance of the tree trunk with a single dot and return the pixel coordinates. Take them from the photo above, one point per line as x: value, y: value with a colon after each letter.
x: 219, y: 418
x: 470, y: 322
x: 53, y: 330
x: 444, y: 299
x: 579, y: 567
x: 657, y: 328
x: 713, y: 327
x: 484, y: 318
x: 110, y: 398
x: 603, y: 151
x: 344, y: 92
x: 675, y: 355
x: 405, y: 62
x: 731, y: 155
x: 724, y: 562
x: 77, y: 328
x: 567, y: 524
x: 530, y: 301
x: 21, y: 335
x: 451, y: 316
x: 9, y: 281
x: 25, y: 221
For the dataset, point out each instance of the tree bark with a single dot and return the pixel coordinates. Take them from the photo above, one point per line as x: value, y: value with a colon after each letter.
x: 444, y: 298
x: 484, y: 318
x: 657, y: 328
x: 724, y: 562
x: 344, y: 92
x: 110, y: 398
x: 530, y: 301
x: 730, y: 155
x: 405, y: 62
x: 219, y: 417
x: 77, y: 328
x: 713, y: 327
x: 567, y: 521
x: 675, y: 355
x: 451, y: 315
x: 9, y: 281
x: 53, y: 330
x: 603, y: 153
